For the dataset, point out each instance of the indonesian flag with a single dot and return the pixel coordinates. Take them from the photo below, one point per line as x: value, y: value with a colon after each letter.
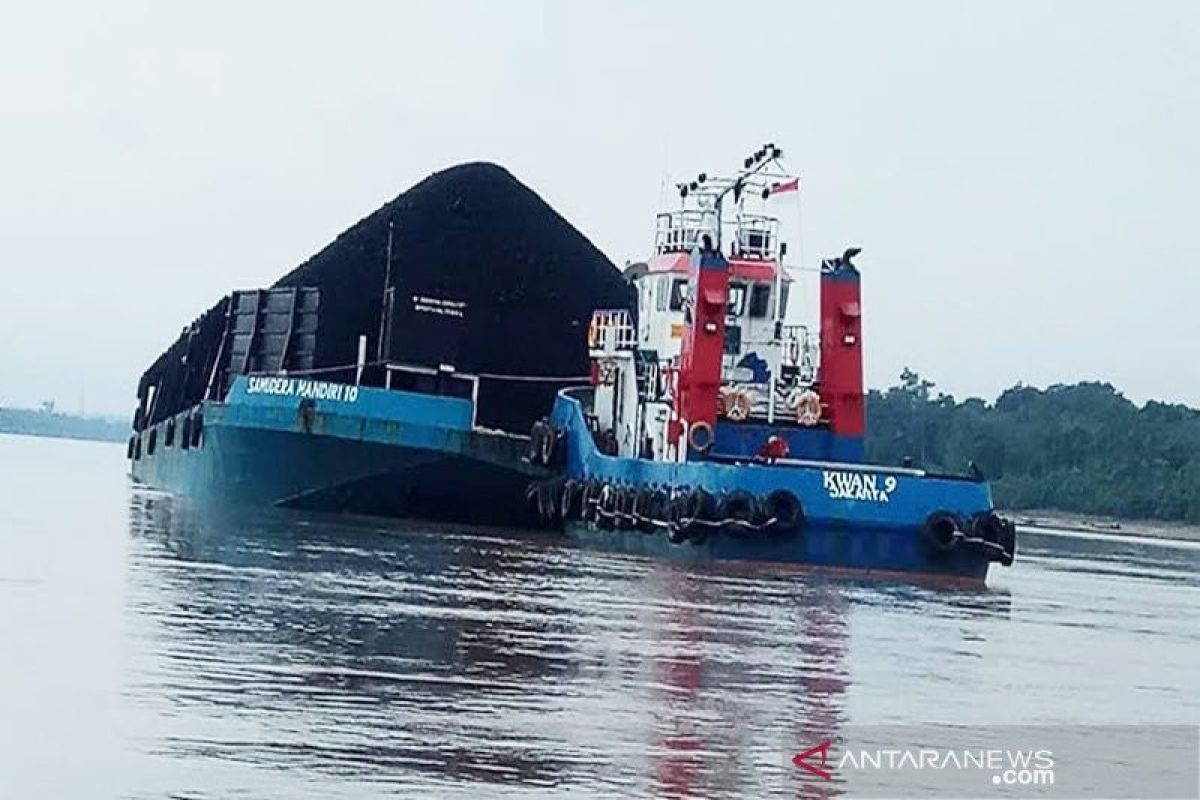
x: 785, y: 186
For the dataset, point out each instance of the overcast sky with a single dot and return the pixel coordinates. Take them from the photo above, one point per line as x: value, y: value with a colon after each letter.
x: 1022, y: 177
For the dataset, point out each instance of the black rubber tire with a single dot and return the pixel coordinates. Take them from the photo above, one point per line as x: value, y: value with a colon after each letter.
x: 532, y: 502
x: 940, y: 534
x: 701, y: 505
x: 605, y: 511
x: 738, y: 506
x: 626, y: 501
x: 1008, y: 541
x: 572, y: 494
x: 554, y: 497
x: 644, y: 508
x: 549, y: 446
x: 676, y: 506
x: 591, y: 498
x: 185, y: 433
x: 197, y: 428
x: 536, y: 435
x: 784, y: 507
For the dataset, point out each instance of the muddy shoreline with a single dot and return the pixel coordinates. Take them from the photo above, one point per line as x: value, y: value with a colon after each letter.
x: 1084, y: 523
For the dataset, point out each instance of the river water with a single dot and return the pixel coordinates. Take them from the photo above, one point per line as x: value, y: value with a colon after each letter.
x: 151, y: 651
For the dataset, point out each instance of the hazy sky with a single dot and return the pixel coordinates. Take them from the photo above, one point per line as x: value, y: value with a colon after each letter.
x: 1022, y: 176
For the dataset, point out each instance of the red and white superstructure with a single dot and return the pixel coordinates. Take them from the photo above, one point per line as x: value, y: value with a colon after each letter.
x: 713, y: 348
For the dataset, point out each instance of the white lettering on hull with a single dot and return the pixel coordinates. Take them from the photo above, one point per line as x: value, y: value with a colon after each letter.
x: 295, y: 387
x: 858, y: 486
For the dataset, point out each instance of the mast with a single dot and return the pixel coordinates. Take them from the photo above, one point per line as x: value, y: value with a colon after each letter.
x: 776, y: 334
x: 385, y: 310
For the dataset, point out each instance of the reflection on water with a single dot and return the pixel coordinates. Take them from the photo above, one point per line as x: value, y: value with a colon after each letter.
x: 440, y: 660
x: 155, y: 652
x: 328, y: 658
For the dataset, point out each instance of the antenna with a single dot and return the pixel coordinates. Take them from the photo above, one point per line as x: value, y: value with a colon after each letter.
x: 756, y: 162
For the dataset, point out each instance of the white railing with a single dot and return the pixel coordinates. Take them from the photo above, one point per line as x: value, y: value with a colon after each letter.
x: 800, y: 350
x: 612, y: 330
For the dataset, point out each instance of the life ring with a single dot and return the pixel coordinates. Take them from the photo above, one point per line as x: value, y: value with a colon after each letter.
x: 808, y: 408
x: 700, y: 436
x: 784, y: 509
x: 941, y: 534
x: 736, y: 404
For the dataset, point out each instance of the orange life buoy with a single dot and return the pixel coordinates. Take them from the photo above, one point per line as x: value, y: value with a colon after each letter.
x: 736, y: 404
x: 700, y: 436
x: 808, y: 408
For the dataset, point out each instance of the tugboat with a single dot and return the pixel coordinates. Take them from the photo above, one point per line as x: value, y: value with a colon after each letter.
x: 714, y: 429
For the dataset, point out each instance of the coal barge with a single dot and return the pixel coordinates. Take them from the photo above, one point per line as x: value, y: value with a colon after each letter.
x: 396, y: 373
x: 714, y: 429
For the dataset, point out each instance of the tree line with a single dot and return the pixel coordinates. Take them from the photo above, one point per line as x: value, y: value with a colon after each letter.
x: 1081, y: 448
x: 48, y: 422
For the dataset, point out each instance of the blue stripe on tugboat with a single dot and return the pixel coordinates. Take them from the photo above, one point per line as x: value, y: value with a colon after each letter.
x: 713, y: 430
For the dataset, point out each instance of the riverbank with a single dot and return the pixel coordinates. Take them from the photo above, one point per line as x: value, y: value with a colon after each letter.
x: 1063, y: 520
x: 47, y: 422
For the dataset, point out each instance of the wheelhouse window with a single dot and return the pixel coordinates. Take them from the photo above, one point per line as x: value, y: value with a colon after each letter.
x: 760, y: 300
x: 679, y: 293
x: 737, y: 299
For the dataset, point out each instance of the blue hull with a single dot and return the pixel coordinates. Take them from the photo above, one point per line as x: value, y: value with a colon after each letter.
x: 856, y: 517
x: 386, y: 453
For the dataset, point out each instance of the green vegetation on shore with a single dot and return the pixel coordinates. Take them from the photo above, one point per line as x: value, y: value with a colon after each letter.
x: 46, y: 421
x: 1082, y: 448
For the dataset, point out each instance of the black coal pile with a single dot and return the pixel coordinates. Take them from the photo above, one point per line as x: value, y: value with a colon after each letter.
x: 486, y: 278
